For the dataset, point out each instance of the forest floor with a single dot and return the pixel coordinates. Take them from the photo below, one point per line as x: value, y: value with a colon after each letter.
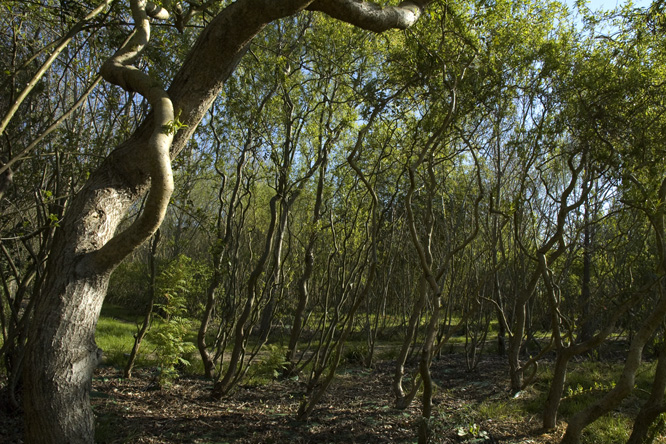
x: 357, y: 409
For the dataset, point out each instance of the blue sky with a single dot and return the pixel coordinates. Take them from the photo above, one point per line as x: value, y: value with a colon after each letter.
x: 610, y: 4
x: 596, y: 5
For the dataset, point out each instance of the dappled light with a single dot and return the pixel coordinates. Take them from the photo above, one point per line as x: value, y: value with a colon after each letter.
x: 337, y: 221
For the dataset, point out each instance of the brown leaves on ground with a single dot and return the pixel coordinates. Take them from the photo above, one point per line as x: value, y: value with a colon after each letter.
x: 357, y: 409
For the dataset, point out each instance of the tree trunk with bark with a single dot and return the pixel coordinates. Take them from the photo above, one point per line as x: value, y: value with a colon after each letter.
x: 402, y: 399
x: 653, y: 407
x: 219, y: 252
x: 308, y: 268
x: 625, y: 384
x: 61, y: 353
x: 656, y: 317
x: 147, y: 319
x: 564, y: 355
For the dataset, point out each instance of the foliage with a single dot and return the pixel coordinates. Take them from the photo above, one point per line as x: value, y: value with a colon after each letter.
x: 658, y: 429
x: 170, y: 346
x: 520, y: 149
x: 355, y: 354
x: 472, y: 434
x: 168, y: 335
x: 128, y: 286
x: 269, y: 367
x: 114, y: 335
x: 180, y: 285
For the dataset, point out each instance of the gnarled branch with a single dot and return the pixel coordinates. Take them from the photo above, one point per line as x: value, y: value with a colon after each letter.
x: 370, y: 16
x: 119, y: 71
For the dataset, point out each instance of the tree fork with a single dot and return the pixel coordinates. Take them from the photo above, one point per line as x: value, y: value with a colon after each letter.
x: 61, y: 352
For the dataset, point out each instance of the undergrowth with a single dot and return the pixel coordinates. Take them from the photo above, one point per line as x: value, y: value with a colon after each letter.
x: 587, y: 380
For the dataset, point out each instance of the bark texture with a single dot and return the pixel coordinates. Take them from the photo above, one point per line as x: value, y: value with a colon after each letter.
x: 653, y: 407
x: 564, y: 355
x: 626, y: 382
x: 62, y: 353
x: 624, y: 385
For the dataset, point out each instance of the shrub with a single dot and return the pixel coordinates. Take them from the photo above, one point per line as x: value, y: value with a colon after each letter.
x: 268, y: 368
x: 172, y: 326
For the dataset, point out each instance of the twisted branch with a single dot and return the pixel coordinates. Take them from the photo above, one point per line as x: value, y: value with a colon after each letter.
x: 120, y: 71
x: 369, y: 15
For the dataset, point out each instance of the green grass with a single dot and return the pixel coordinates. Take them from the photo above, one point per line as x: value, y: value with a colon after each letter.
x: 609, y: 429
x: 115, y: 336
x: 587, y: 382
x: 267, y: 368
x: 500, y: 410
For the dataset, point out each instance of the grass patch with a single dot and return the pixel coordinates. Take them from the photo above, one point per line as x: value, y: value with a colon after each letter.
x: 268, y: 368
x: 609, y: 429
x: 500, y: 410
x: 587, y: 382
x: 387, y: 351
x: 115, y: 336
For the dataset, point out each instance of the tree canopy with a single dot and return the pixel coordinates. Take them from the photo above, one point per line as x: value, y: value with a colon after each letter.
x: 331, y: 173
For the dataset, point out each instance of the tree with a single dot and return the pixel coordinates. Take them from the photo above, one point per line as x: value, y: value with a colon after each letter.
x: 625, y: 116
x: 61, y: 351
x: 44, y: 179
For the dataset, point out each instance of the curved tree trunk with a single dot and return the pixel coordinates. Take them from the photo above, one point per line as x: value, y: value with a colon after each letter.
x: 515, y: 343
x: 206, y: 357
x: 424, y: 371
x: 556, y: 389
x: 308, y: 269
x: 653, y: 407
x: 219, y: 252
x: 309, y: 403
x: 564, y: 355
x: 138, y: 337
x: 61, y: 353
x: 243, y: 328
x: 402, y: 399
x: 624, y: 385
